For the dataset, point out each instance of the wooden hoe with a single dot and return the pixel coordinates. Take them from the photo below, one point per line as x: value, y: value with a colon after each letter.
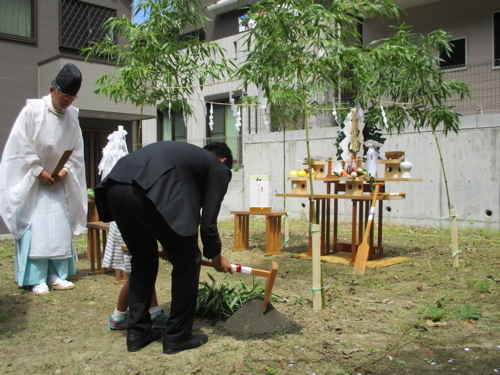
x: 271, y: 276
x: 364, y: 247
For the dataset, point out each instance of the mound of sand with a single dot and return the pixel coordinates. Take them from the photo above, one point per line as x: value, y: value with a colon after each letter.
x: 251, y: 322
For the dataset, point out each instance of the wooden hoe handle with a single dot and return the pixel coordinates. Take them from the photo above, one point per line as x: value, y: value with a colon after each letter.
x: 364, y: 247
x: 271, y: 276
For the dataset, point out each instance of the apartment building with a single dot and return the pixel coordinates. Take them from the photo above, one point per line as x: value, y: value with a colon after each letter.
x: 36, y: 39
x: 475, y: 31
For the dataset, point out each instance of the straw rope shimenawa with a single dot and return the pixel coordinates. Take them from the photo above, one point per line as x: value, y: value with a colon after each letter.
x: 256, y: 104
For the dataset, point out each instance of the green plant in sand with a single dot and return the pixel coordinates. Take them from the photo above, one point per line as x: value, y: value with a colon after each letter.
x: 221, y: 300
x: 467, y: 312
x: 434, y: 313
x: 437, y: 311
x: 484, y: 286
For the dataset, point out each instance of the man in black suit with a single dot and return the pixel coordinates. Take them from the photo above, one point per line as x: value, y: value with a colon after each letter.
x: 155, y: 195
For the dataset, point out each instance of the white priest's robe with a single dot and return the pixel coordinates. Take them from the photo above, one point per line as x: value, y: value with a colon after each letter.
x: 37, y: 141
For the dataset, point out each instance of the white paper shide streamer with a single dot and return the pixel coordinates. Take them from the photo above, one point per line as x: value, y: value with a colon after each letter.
x: 184, y: 115
x: 211, y: 117
x: 114, y: 150
x: 233, y: 106
x: 238, y: 119
x: 384, y: 117
x: 334, y: 111
x: 261, y: 99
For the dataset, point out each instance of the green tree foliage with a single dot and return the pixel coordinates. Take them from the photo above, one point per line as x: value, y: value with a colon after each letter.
x: 161, y: 60
x: 301, y: 48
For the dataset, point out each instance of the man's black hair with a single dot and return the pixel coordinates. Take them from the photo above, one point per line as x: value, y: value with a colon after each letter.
x: 221, y: 150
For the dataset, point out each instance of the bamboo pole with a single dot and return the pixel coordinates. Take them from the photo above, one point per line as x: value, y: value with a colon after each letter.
x: 316, y: 267
x: 318, y: 292
x: 454, y: 237
x: 452, y: 212
x: 287, y: 230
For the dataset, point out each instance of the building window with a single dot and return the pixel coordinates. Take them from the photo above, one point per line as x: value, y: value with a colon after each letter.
x: 224, y: 127
x: 172, y: 126
x: 496, y: 39
x: 457, y: 57
x: 17, y: 20
x: 245, y: 27
x: 81, y: 23
x: 198, y: 34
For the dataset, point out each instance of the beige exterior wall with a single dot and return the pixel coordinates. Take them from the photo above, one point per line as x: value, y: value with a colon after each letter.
x: 472, y: 20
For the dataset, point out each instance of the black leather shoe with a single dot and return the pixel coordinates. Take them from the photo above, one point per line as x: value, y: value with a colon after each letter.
x: 194, y: 341
x: 136, y: 342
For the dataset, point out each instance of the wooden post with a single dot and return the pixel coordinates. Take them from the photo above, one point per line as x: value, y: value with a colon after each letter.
x: 287, y: 230
x: 316, y: 266
x: 454, y: 237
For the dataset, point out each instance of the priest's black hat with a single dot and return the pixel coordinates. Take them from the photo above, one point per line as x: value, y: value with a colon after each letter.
x: 68, y: 80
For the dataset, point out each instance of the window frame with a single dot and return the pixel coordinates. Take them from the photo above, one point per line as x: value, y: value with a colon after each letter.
x: 495, y: 21
x: 452, y: 68
x: 34, y: 27
x: 62, y: 43
x: 162, y: 115
x: 221, y: 102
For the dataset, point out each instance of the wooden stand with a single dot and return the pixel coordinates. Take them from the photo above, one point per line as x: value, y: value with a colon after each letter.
x: 299, y: 185
x: 96, y: 244
x: 392, y: 168
x: 320, y: 167
x: 354, y: 186
x: 273, y: 230
x: 260, y: 209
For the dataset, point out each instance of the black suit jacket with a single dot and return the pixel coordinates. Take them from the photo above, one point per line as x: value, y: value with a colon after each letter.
x: 181, y: 179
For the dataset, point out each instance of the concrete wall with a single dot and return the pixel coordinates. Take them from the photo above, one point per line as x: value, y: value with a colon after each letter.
x: 471, y: 159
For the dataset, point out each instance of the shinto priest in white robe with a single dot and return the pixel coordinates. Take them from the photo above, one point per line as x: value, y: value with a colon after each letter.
x: 48, y: 216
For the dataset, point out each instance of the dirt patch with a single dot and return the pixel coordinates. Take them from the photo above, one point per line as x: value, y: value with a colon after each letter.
x: 250, y: 321
x: 371, y: 324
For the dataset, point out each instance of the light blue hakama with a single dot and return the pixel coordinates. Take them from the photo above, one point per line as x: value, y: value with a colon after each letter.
x: 31, y: 271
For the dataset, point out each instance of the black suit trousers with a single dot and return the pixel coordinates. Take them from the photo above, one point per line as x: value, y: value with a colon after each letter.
x: 142, y: 227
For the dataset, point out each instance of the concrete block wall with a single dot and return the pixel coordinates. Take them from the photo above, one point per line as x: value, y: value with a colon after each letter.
x: 471, y: 159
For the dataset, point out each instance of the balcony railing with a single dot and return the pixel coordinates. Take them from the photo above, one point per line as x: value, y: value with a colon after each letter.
x: 484, y: 85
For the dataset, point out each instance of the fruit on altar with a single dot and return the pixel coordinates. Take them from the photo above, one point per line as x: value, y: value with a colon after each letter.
x: 363, y: 172
x: 293, y: 173
x: 302, y: 173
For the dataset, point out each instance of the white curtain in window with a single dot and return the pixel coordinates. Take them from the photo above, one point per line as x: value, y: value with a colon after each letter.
x: 15, y: 17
